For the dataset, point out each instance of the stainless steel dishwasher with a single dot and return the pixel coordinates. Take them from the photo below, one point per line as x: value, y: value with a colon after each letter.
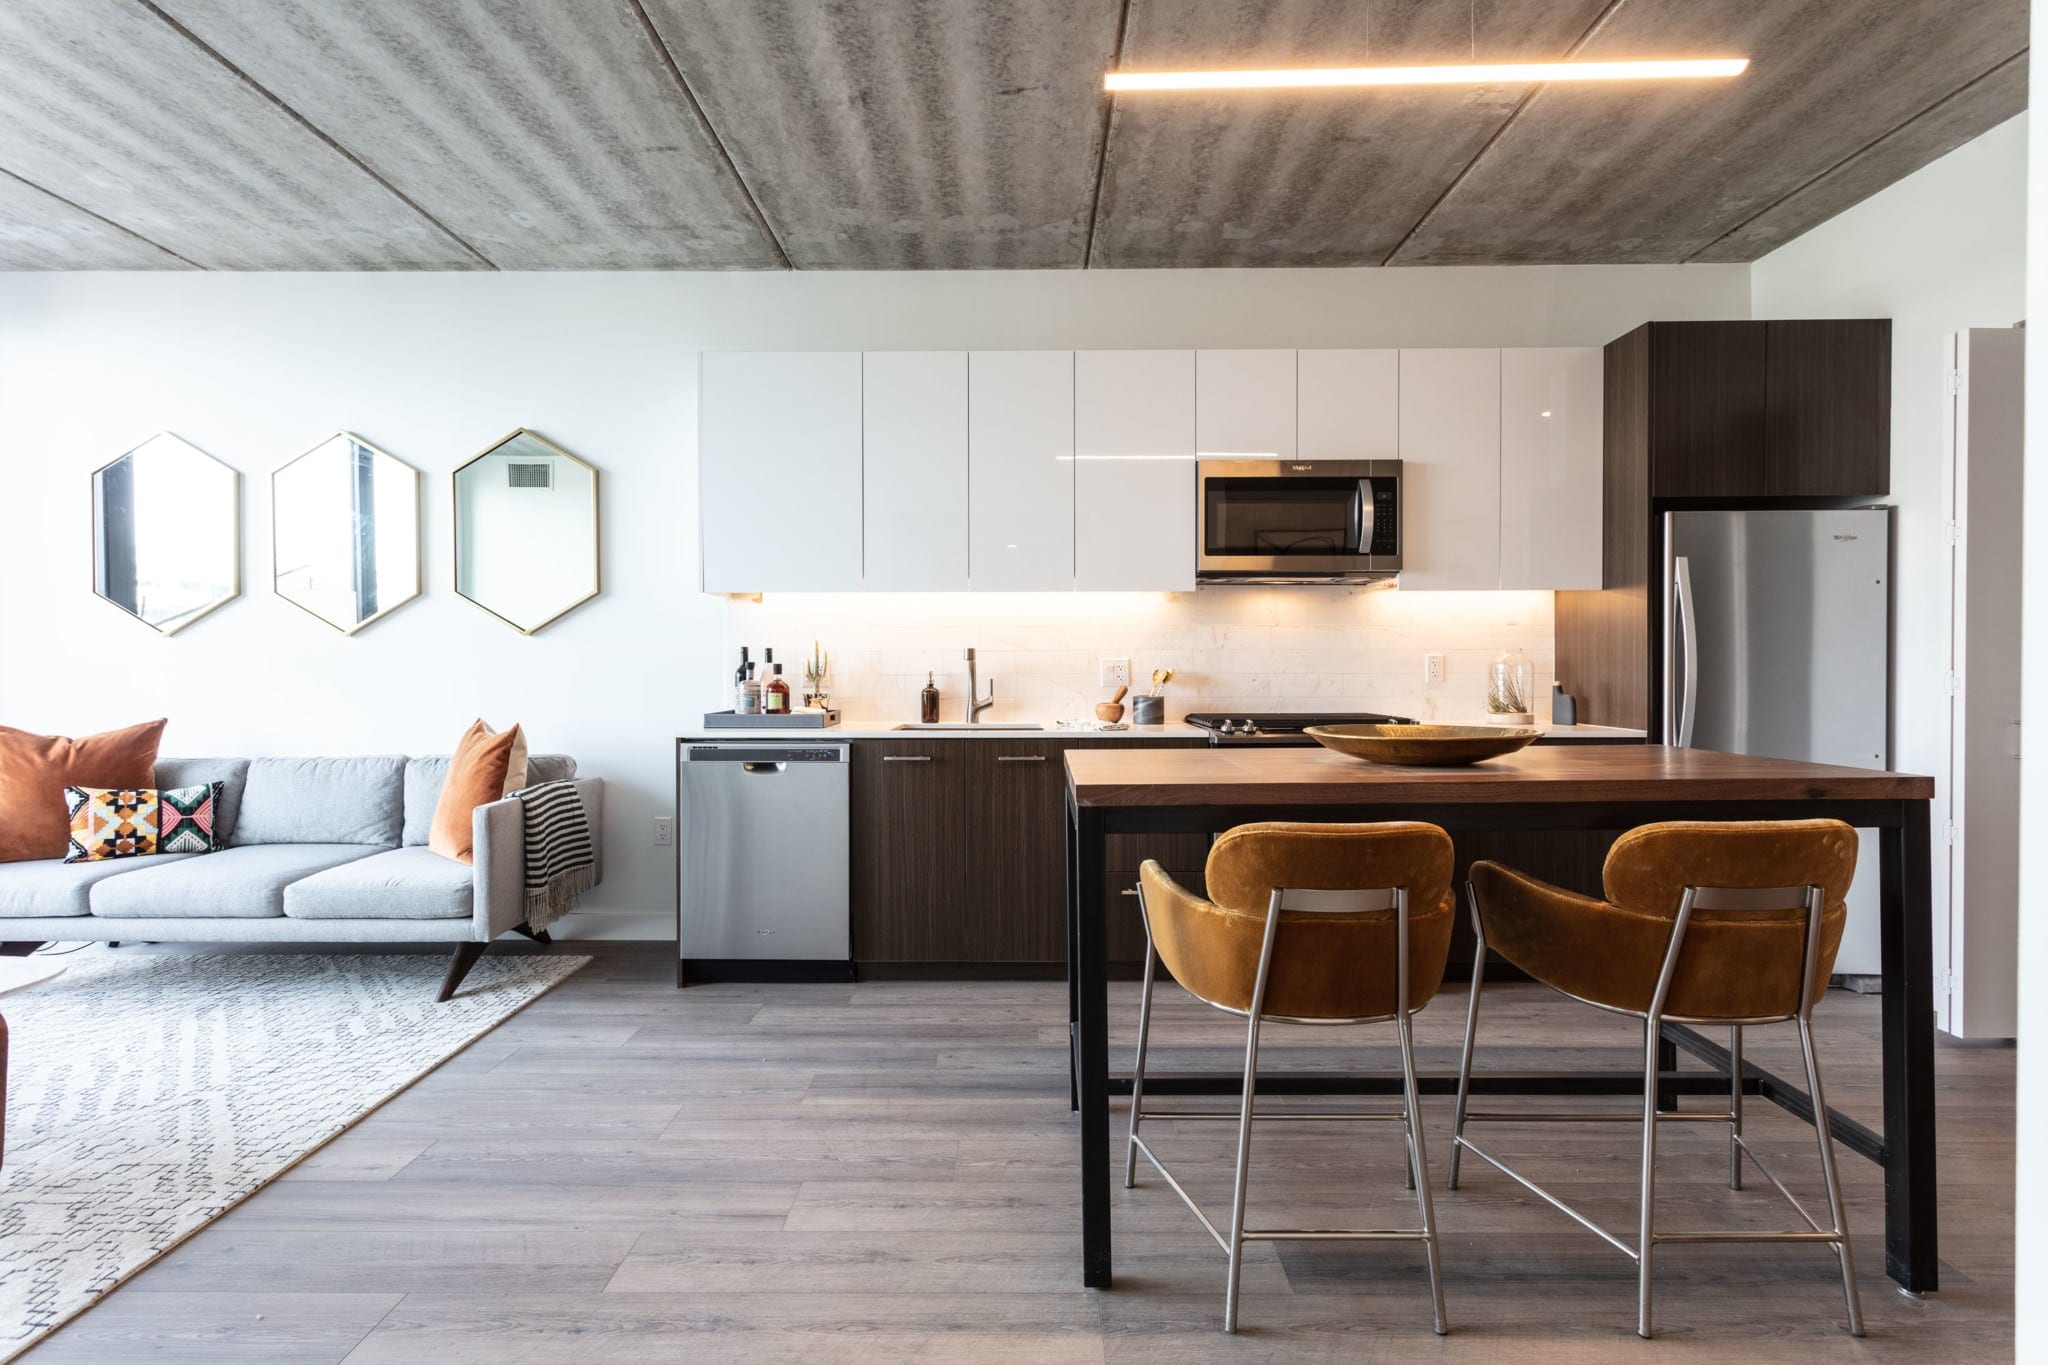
x: 762, y: 886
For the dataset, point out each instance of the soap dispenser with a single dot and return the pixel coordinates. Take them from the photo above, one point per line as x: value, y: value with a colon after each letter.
x: 928, y: 701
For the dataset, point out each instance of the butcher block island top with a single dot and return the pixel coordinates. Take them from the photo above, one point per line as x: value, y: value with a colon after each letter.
x: 1558, y: 773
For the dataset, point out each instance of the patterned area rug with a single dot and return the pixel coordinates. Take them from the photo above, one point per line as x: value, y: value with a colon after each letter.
x: 150, y: 1093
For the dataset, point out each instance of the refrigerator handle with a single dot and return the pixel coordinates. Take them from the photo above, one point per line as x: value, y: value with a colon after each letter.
x: 1681, y: 577
x: 1668, y: 673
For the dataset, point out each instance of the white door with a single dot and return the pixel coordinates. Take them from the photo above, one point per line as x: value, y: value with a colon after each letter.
x: 1134, y: 470
x: 1244, y: 404
x: 914, y: 471
x: 1450, y: 469
x: 1550, y: 468
x: 778, y: 452
x: 1020, y: 470
x: 1348, y: 405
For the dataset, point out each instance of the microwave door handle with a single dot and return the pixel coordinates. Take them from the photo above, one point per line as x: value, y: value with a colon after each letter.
x: 1359, y: 497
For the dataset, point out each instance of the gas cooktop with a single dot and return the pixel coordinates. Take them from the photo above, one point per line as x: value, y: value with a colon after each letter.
x: 1279, y: 728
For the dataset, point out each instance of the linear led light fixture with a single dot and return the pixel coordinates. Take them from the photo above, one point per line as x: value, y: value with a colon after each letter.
x: 1498, y: 73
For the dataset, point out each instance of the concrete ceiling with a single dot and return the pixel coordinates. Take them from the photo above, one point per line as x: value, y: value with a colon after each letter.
x: 951, y: 134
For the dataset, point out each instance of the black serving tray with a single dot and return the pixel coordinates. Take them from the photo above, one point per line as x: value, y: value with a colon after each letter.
x: 794, y: 720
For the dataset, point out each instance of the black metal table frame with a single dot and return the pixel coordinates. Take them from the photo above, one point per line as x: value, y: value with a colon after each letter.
x: 1905, y: 1149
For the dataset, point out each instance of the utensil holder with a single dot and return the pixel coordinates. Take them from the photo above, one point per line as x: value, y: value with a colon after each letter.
x: 1148, y: 710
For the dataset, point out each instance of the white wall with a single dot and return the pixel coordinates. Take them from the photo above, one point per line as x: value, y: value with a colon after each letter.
x: 2030, y: 1204
x: 433, y: 368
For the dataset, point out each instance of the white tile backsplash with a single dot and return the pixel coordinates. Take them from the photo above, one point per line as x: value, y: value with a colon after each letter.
x: 1231, y: 649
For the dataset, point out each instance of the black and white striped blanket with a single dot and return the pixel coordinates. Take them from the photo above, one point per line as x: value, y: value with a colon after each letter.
x: 561, y: 861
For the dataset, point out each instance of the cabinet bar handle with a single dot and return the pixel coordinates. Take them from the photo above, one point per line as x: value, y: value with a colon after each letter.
x: 1132, y: 892
x: 1020, y: 758
x: 906, y: 758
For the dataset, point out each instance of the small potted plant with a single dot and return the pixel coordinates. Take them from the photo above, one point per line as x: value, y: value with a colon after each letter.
x: 1149, y: 708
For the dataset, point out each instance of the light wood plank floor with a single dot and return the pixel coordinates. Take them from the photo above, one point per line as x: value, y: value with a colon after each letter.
x: 627, y: 1172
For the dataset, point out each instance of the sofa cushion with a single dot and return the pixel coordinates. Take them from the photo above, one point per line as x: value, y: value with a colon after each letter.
x: 46, y: 889
x: 231, y: 773
x: 237, y: 883
x: 424, y: 776
x: 405, y: 883
x: 322, y: 801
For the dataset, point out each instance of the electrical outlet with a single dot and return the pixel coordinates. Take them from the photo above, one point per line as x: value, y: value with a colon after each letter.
x: 664, y: 830
x: 1115, y: 673
x: 1432, y: 670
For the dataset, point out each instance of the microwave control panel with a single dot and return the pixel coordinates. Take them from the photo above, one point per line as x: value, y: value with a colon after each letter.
x: 1386, y: 518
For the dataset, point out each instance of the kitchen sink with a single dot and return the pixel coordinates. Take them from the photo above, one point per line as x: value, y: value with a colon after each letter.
x: 966, y: 725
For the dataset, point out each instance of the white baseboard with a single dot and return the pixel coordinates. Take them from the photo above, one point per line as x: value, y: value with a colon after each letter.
x: 616, y: 926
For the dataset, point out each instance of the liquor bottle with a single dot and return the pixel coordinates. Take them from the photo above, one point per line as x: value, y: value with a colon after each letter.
x: 775, y: 694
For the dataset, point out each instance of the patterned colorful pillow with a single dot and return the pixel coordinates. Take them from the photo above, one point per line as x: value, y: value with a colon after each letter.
x: 185, y: 818
x: 135, y: 822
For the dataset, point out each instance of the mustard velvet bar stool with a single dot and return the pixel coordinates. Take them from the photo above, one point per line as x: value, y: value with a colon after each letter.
x: 1731, y: 924
x: 1304, y: 924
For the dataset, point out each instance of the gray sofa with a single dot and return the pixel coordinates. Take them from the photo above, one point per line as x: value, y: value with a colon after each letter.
x: 316, y: 850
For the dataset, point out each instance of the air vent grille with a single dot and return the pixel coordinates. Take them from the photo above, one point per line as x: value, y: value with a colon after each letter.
x: 530, y: 474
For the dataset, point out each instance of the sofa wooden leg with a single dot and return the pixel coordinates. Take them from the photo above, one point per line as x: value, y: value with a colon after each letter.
x: 537, y: 935
x: 18, y: 949
x: 465, y: 957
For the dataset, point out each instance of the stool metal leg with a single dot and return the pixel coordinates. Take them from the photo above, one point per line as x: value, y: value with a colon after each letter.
x: 1735, y: 1106
x: 1138, y: 1071
x: 1646, y: 1231
x: 1414, y: 1103
x: 1827, y: 1167
x: 1471, y: 1034
x: 1244, y: 1119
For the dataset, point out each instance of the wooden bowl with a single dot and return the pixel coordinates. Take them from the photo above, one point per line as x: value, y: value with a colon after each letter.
x: 1424, y: 746
x: 1111, y: 711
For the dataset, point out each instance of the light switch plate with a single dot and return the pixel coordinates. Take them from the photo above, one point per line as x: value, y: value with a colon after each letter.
x: 1115, y: 673
x: 664, y: 831
x: 1432, y: 670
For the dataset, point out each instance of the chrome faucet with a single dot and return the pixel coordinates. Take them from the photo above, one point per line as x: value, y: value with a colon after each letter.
x: 976, y: 704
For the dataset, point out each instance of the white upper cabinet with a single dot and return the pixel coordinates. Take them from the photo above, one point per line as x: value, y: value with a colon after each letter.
x: 1244, y: 404
x: 1550, y: 467
x: 914, y: 471
x: 1134, y: 470
x: 1020, y: 470
x: 778, y: 449
x: 1348, y: 405
x: 1450, y: 471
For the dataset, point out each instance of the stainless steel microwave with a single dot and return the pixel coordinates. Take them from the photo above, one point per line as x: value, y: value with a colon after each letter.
x: 1297, y: 521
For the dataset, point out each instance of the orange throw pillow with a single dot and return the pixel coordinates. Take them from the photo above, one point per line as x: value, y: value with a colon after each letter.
x: 35, y: 770
x: 476, y: 777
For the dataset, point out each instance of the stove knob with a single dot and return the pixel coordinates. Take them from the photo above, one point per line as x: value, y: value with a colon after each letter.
x: 1226, y: 728
x: 1250, y: 726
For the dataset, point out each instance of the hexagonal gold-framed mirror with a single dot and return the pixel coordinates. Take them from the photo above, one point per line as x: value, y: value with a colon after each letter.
x: 167, y: 533
x: 345, y: 532
x: 526, y: 531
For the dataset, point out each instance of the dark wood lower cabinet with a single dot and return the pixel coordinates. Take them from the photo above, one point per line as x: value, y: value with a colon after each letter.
x: 909, y: 828
x: 959, y: 857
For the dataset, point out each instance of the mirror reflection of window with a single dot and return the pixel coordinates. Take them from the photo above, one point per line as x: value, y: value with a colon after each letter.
x: 526, y: 531
x: 166, y: 533
x: 345, y: 524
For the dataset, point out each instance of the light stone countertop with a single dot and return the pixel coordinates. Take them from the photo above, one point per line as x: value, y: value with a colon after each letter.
x: 874, y: 728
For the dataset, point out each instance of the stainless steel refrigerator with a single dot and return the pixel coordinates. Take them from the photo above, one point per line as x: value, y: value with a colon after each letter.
x: 1777, y: 641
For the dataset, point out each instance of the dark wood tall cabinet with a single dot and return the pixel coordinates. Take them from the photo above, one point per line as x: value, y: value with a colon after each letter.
x: 1793, y: 413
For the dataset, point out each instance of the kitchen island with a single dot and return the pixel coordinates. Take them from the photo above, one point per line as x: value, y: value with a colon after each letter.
x: 1542, y: 788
